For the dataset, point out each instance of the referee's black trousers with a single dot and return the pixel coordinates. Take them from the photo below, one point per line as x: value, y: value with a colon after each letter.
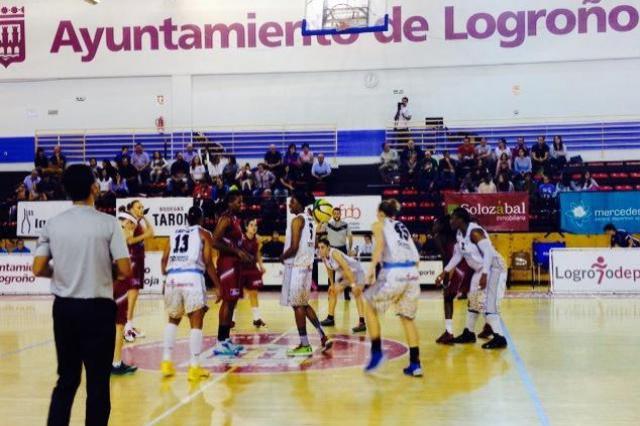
x: 84, y: 331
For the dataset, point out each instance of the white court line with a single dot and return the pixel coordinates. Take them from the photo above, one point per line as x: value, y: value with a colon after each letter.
x: 188, y: 399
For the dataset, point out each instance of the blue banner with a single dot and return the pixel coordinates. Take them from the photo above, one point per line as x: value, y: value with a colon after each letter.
x: 589, y: 212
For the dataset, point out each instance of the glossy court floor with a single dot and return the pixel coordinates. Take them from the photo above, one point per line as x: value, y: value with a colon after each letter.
x: 571, y: 362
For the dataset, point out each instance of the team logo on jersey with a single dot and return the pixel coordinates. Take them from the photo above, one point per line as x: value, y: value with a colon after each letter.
x: 12, y: 35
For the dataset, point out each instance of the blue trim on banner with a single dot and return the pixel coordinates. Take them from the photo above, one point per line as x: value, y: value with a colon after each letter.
x: 589, y: 212
x: 17, y: 149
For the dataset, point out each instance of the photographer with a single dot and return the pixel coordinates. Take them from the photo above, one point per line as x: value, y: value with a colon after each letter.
x: 403, y: 115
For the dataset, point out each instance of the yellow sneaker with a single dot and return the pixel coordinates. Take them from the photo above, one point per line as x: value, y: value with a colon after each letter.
x: 197, y: 373
x: 167, y: 369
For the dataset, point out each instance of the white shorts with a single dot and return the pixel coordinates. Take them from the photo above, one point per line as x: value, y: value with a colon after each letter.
x: 360, y: 279
x: 396, y: 286
x: 296, y: 286
x: 184, y: 293
x: 488, y: 300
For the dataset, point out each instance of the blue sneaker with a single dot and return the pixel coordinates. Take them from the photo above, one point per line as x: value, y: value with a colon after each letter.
x: 413, y: 370
x: 226, y: 348
x: 376, y: 360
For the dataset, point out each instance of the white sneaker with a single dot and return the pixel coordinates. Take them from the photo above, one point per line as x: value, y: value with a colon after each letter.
x: 138, y: 333
x: 129, y: 336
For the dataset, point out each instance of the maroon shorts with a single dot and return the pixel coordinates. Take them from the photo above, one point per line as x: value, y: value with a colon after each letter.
x: 460, y: 282
x: 228, y: 272
x: 251, y: 279
x: 120, y: 290
x: 137, y: 280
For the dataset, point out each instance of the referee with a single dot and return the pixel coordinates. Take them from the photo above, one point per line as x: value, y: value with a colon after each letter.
x: 339, y: 234
x: 83, y: 244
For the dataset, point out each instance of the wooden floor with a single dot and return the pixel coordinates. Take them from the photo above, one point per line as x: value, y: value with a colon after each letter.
x: 571, y: 362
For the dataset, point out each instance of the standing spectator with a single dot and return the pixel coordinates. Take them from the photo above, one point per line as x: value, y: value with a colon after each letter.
x: 273, y: 160
x: 306, y: 161
x: 586, y: 182
x: 130, y: 174
x: 502, y: 149
x: 57, y: 162
x: 83, y: 244
x: 273, y: 248
x: 124, y: 152
x: 158, y: 168
x: 119, y: 186
x: 540, y: 155
x: 141, y: 161
x: 230, y: 171
x: 520, y: 144
x: 503, y: 184
x: 41, y: 161
x: 487, y: 186
x: 93, y: 165
x: 408, y: 151
x: 189, y: 153
x: 466, y: 154
x: 484, y: 152
x: 20, y: 248
x: 264, y: 179
x: 503, y: 165
x: 389, y: 164
x: 558, y: 153
x: 215, y: 166
x: 447, y: 170
x: 522, y: 163
x: 198, y: 171
x: 245, y: 178
x: 403, y: 115
x: 547, y: 190
x: 180, y: 168
x: 321, y: 170
x: 31, y: 181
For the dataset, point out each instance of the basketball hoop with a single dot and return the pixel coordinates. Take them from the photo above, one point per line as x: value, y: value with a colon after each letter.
x: 323, y: 17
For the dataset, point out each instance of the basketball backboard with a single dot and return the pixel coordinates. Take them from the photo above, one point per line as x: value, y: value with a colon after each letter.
x: 344, y: 16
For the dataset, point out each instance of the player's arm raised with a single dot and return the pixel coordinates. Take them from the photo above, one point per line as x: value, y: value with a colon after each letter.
x: 378, y: 249
x: 224, y: 248
x: 296, y: 233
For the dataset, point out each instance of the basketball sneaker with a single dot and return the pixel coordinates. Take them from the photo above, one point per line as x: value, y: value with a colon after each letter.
x: 498, y: 342
x: 259, y: 323
x: 196, y: 373
x: 413, y: 370
x: 167, y: 369
x: 465, y: 337
x: 138, y: 333
x: 123, y: 369
x: 486, y: 333
x: 376, y: 360
x: 360, y: 328
x: 446, y: 339
x: 328, y: 322
x: 300, y: 351
x: 327, y: 344
x: 129, y: 336
x: 226, y: 348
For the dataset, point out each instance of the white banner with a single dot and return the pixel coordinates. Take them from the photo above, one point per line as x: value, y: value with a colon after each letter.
x: 16, y: 276
x: 153, y: 278
x: 595, y: 270
x: 33, y: 215
x: 165, y: 214
x: 53, y: 39
x: 360, y: 212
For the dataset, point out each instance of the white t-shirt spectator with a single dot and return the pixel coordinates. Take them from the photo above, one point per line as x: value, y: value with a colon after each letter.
x: 320, y: 170
x: 105, y: 185
x: 216, y: 170
x: 198, y: 172
x: 487, y: 188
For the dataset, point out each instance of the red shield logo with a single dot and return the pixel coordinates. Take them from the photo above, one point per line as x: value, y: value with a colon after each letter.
x: 12, y: 39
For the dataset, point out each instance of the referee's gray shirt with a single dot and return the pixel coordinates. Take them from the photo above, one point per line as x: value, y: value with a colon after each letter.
x: 83, y: 244
x: 337, y: 233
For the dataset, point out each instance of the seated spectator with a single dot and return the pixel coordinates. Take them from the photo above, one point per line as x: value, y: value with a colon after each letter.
x: 486, y: 185
x: 93, y: 165
x: 57, y: 162
x: 586, y: 182
x: 306, y: 161
x: 129, y: 173
x: 105, y: 182
x: 177, y: 186
x: 428, y: 178
x: 111, y: 171
x: 35, y: 195
x: 20, y: 248
x: 503, y: 184
x: 467, y: 186
x: 48, y: 187
x: 321, y: 170
x: 202, y: 189
x: 547, y: 189
x: 502, y: 149
x: 408, y: 151
x: 7, y: 247
x: 198, y: 172
x: 124, y: 152
x: 158, y: 168
x: 215, y: 166
x: 286, y: 183
x: 483, y: 152
x: 269, y: 212
x: 522, y: 163
x: 273, y: 160
x: 32, y: 180
x: 479, y: 171
x: 466, y: 154
x: 365, y: 251
x: 520, y: 144
x: 219, y: 191
x: 142, y: 162
x: 21, y: 193
x: 411, y: 171
x: 389, y: 164
x: 189, y: 153
x: 264, y: 179
x: 540, y: 155
x: 503, y: 165
x: 119, y: 186
x: 565, y: 184
x: 273, y: 248
x: 447, y: 171
x: 180, y: 169
x: 558, y: 154
x: 41, y: 161
x: 229, y: 171
x: 528, y: 185
x: 428, y: 158
x: 292, y: 158
x: 245, y: 178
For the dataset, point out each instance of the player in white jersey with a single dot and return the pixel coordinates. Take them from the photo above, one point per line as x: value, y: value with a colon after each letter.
x: 184, y: 262
x: 348, y: 273
x: 397, y: 283
x: 488, y: 281
x: 299, y: 252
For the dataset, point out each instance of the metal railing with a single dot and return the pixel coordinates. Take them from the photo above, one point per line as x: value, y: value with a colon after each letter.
x: 577, y: 133
x: 243, y: 142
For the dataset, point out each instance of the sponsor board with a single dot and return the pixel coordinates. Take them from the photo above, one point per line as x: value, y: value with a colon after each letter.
x: 165, y: 214
x: 595, y: 270
x: 360, y: 212
x: 589, y: 212
x: 495, y: 212
x: 33, y: 215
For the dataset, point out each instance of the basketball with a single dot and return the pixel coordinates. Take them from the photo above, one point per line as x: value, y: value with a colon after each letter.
x: 322, y: 210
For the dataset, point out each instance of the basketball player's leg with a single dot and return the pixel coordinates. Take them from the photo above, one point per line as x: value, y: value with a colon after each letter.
x: 196, y: 319
x: 332, y: 298
x: 252, y: 282
x: 358, y: 293
x: 406, y: 308
x: 495, y: 282
x: 136, y: 284
x: 120, y: 295
x: 230, y: 292
x: 174, y: 305
x: 451, y: 288
x: 378, y: 299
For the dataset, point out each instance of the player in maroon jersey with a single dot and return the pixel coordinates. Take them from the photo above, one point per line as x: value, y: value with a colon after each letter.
x: 227, y: 239
x: 251, y: 273
x: 136, y: 230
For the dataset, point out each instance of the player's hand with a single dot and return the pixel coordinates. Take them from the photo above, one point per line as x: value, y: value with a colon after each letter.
x: 440, y: 279
x: 245, y: 257
x: 357, y: 291
x: 483, y: 281
x: 218, y: 295
x: 262, y: 269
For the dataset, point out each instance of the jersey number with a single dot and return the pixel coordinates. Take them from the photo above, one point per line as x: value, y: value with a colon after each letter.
x: 402, y: 231
x: 181, y: 244
x: 310, y: 230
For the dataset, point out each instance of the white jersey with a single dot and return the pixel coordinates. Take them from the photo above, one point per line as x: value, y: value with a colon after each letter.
x: 399, y: 248
x: 332, y: 264
x: 186, y: 251
x: 471, y: 252
x: 307, y: 247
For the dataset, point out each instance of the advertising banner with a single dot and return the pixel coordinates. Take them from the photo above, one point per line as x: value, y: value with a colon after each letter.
x: 495, y: 212
x: 595, y: 270
x: 165, y: 214
x: 33, y: 215
x: 358, y: 211
x: 589, y: 212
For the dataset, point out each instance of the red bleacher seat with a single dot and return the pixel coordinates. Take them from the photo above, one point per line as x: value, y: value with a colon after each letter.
x: 635, y: 175
x: 426, y: 205
x: 600, y: 175
x: 624, y: 188
x: 619, y: 175
x: 605, y: 188
x: 576, y: 176
x: 390, y: 192
x: 638, y: 187
x: 409, y: 191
